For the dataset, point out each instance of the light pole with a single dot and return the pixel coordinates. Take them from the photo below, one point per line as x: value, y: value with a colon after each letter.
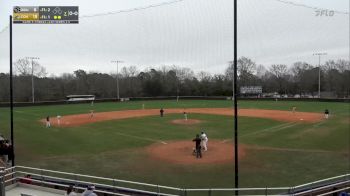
x: 33, y: 58
x: 319, y: 71
x: 117, y: 62
x: 233, y: 81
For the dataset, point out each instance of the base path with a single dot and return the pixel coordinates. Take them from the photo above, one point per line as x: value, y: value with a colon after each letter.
x: 285, y: 116
x: 181, y: 152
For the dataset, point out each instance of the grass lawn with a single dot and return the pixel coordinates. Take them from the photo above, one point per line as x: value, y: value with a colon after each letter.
x: 282, y: 154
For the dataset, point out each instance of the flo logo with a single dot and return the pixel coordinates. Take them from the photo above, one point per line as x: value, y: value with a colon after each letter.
x: 323, y: 12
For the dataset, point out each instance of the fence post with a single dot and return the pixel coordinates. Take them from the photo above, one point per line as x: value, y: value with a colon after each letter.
x: 158, y: 190
x: 42, y: 177
x: 14, y: 176
x: 114, y: 186
x: 312, y: 188
x: 2, y: 183
x: 291, y: 190
x: 266, y: 191
x: 209, y: 193
x: 76, y: 180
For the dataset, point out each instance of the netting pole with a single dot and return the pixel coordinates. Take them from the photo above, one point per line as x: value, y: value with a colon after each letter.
x: 235, y: 92
x: 11, y: 97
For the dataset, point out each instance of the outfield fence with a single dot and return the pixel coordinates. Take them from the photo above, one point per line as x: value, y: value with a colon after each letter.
x: 100, y: 100
x: 108, y: 186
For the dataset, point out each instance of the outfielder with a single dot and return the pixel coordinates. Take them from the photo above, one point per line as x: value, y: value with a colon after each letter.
x: 204, y: 142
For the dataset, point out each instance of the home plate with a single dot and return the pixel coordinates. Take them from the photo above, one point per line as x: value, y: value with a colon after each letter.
x: 301, y: 119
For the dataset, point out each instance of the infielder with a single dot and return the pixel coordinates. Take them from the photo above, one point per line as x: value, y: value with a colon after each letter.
x: 91, y: 113
x: 161, y: 111
x: 294, y: 109
x: 326, y: 113
x: 48, y: 124
x: 204, y: 142
x: 185, y: 116
x: 58, y: 120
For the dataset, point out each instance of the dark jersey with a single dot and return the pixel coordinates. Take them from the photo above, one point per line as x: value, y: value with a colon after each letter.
x: 326, y: 112
x: 198, y: 142
x: 48, y: 118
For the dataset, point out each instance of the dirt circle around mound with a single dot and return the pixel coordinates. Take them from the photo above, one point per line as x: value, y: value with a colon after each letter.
x: 181, y: 152
x: 186, y: 122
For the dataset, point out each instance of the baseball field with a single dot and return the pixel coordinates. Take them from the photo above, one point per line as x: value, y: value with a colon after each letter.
x: 123, y: 140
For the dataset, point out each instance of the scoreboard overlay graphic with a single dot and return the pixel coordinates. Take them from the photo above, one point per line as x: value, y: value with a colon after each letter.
x: 46, y: 14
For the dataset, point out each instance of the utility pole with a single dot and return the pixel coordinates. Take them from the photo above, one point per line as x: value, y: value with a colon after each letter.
x: 117, y: 62
x: 319, y: 71
x: 32, y: 60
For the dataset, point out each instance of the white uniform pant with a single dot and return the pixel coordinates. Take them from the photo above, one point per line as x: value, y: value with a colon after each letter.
x: 204, y: 144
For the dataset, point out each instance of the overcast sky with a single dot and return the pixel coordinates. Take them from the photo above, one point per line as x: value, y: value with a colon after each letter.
x: 190, y: 33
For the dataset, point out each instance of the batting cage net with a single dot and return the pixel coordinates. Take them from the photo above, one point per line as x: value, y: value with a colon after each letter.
x: 144, y: 91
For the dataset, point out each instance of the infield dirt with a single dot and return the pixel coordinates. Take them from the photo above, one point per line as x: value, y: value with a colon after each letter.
x: 181, y: 152
x: 284, y: 116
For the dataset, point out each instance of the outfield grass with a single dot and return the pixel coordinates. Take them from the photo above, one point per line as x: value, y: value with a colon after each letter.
x: 115, y: 148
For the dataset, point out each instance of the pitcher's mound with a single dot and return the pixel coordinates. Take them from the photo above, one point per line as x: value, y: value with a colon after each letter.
x: 181, y: 152
x: 186, y: 122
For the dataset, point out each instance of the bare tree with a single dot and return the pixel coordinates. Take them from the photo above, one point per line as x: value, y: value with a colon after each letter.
x: 343, y: 65
x: 204, y: 76
x: 299, y: 67
x: 24, y: 67
x: 260, y: 71
x: 279, y: 71
x: 245, y: 66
